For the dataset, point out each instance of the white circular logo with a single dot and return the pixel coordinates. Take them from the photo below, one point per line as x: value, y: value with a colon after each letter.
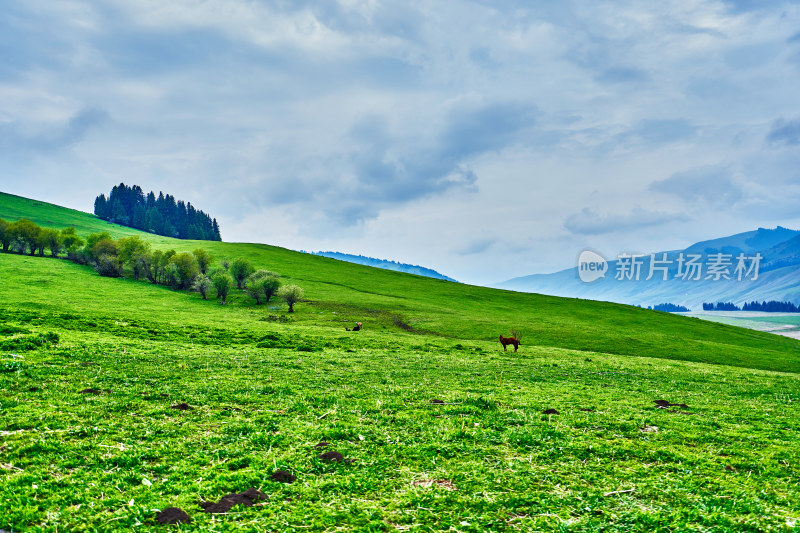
x: 591, y: 266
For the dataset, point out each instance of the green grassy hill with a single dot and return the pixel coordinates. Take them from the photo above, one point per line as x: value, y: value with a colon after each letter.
x: 341, y: 293
x: 119, y: 399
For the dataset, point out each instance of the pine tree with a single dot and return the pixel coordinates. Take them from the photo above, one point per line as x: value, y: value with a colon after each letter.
x: 101, y: 208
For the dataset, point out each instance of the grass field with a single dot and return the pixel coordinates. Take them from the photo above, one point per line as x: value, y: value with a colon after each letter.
x: 439, y: 429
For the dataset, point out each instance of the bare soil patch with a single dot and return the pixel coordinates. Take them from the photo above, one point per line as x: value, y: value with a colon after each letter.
x: 247, y: 498
x: 665, y: 404
x: 331, y: 457
x: 282, y: 476
x: 173, y: 515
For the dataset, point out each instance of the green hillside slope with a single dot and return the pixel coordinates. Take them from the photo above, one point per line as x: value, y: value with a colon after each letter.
x: 342, y: 293
x: 121, y: 399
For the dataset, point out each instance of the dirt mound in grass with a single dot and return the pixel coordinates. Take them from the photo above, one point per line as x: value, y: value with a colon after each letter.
x: 550, y: 412
x: 247, y: 498
x: 664, y: 404
x: 282, y: 476
x: 181, y: 407
x: 173, y: 515
x: 331, y: 457
x: 437, y: 402
x: 89, y: 391
x: 322, y: 444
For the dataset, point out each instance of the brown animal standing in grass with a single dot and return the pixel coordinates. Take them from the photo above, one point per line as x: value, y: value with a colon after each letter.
x: 505, y: 341
x: 357, y: 327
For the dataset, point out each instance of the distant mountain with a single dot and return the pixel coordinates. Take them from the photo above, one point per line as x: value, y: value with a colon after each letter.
x: 385, y: 264
x: 776, y: 276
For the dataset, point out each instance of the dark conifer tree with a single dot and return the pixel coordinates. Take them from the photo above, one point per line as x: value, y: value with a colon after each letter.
x: 163, y: 215
x: 101, y: 207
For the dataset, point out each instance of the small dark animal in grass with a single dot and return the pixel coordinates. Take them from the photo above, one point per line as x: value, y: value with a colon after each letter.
x: 173, y: 515
x: 357, y: 327
x: 505, y: 341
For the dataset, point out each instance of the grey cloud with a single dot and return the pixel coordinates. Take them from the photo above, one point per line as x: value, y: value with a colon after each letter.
x: 785, y: 132
x: 392, y: 170
x: 396, y: 19
x: 54, y: 138
x: 150, y: 52
x: 696, y: 30
x: 590, y: 222
x: 606, y: 56
x: 475, y: 247
x: 711, y: 185
x: 743, y: 6
x: 385, y: 167
x: 622, y: 75
x: 472, y: 131
x: 661, y: 131
x: 752, y: 55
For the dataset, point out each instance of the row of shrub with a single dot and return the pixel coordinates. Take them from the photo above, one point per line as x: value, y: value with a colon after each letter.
x: 24, y: 236
x: 131, y: 256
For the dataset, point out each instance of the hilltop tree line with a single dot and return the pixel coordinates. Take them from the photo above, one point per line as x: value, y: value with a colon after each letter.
x: 773, y: 306
x: 669, y: 308
x: 133, y: 257
x: 162, y: 214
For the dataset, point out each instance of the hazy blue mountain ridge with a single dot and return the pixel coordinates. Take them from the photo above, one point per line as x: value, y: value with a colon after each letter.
x: 385, y: 264
x: 778, y: 275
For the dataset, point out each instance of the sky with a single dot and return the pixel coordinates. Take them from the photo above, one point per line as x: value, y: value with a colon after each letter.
x: 486, y: 139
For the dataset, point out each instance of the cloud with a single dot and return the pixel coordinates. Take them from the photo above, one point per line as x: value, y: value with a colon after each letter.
x: 385, y: 161
x: 346, y: 114
x: 744, y: 6
x: 622, y: 75
x: 474, y: 129
x: 590, y: 222
x: 389, y: 168
x: 711, y: 185
x: 653, y: 131
x: 784, y: 132
x: 51, y: 138
x: 475, y: 247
